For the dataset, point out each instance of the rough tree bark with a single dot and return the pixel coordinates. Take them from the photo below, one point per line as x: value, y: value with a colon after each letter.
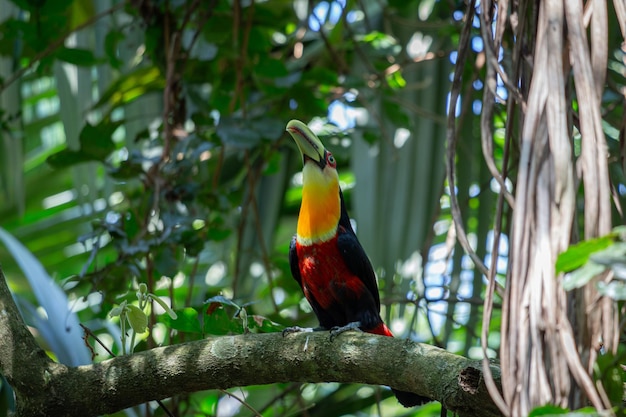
x: 44, y: 387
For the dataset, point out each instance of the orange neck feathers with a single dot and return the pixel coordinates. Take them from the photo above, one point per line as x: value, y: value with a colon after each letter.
x: 321, y: 207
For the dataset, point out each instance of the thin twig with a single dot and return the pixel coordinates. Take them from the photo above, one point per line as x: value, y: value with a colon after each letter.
x: 243, y: 402
x: 489, y: 380
x: 88, y: 332
x: 489, y: 96
x: 452, y: 139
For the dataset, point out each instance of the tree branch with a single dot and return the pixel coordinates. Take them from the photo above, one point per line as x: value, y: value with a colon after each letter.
x: 47, y: 388
x: 22, y: 362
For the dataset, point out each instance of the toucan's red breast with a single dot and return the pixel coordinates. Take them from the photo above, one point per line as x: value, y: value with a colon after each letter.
x: 325, y: 276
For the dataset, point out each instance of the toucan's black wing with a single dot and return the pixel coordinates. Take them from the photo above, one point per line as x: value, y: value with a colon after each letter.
x: 293, y: 261
x: 354, y: 255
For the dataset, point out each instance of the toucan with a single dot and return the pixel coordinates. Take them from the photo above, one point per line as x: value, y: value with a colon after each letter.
x: 325, y: 256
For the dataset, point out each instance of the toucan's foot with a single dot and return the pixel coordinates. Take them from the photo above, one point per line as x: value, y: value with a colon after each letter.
x: 337, y: 330
x: 297, y: 329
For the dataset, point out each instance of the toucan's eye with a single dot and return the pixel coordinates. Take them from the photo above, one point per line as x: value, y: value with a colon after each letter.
x: 330, y: 159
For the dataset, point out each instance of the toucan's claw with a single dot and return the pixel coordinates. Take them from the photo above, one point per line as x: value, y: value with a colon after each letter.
x: 337, y: 330
x: 297, y: 329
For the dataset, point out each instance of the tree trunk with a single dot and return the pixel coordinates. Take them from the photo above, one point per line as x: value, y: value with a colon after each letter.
x: 544, y: 358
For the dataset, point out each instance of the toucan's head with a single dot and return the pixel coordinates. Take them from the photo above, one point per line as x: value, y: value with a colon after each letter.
x: 311, y: 147
x: 321, y: 205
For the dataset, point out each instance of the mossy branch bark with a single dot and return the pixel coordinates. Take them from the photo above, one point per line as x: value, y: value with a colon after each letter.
x: 44, y: 387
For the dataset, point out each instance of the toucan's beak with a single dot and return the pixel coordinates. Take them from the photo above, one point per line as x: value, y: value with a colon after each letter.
x: 309, y: 144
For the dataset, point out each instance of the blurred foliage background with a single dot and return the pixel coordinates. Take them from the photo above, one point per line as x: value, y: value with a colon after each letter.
x: 143, y: 142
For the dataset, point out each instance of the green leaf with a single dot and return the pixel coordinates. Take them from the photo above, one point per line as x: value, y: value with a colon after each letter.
x: 192, y: 242
x: 222, y: 300
x: 77, y: 56
x: 582, y: 276
x: 582, y: 412
x: 96, y: 144
x: 44, y: 6
x: 548, y: 410
x: 137, y: 319
x: 131, y: 225
x: 615, y: 290
x: 217, y: 232
x: 324, y: 76
x: 66, y: 158
x: 613, y: 257
x: 111, y: 42
x: 98, y: 140
x: 396, y: 113
x: 608, y: 370
x: 128, y: 169
x: 237, y: 133
x: 263, y: 324
x: 381, y: 43
x: 217, y: 321
x: 259, y: 40
x: 171, y: 313
x: 273, y: 163
x: 131, y: 86
x: 395, y: 80
x: 117, y: 310
x: 577, y: 255
x: 166, y: 260
x: 268, y: 127
x: 371, y: 137
x: 270, y: 68
x: 187, y: 320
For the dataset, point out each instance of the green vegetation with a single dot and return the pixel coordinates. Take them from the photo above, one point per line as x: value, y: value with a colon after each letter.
x: 143, y: 158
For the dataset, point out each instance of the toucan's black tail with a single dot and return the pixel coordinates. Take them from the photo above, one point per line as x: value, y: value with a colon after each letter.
x: 410, y: 399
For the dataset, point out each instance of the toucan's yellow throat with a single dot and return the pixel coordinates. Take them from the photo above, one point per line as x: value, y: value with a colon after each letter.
x: 321, y: 205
